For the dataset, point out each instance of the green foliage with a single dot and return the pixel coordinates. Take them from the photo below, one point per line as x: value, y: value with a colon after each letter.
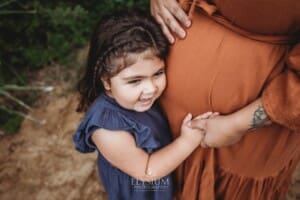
x: 47, y: 34
x: 37, y: 32
x: 34, y: 33
x: 10, y: 122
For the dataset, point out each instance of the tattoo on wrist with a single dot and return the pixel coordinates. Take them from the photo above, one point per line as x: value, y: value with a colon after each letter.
x: 260, y: 118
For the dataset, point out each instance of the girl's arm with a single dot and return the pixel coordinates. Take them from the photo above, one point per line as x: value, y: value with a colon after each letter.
x: 120, y: 149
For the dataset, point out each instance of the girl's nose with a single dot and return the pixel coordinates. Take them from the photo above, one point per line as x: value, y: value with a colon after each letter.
x: 150, y: 87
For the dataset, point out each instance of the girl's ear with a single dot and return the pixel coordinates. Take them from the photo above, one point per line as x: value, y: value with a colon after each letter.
x: 106, y: 83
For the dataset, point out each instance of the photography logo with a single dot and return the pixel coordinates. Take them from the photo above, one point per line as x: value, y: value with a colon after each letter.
x: 157, y: 185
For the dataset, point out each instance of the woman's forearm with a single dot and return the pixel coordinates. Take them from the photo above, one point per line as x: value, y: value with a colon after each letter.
x: 251, y: 117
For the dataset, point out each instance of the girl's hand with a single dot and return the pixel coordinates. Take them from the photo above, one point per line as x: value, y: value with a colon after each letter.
x: 171, y: 17
x: 220, y: 131
x: 194, y: 135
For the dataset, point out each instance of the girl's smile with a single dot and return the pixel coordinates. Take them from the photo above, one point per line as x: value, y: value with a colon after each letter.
x: 137, y: 86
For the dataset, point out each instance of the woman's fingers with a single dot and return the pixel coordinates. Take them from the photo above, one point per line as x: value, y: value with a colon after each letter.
x: 179, y: 14
x: 198, y: 124
x: 214, y: 114
x: 165, y: 29
x: 170, y: 16
x: 204, y: 115
x: 172, y: 23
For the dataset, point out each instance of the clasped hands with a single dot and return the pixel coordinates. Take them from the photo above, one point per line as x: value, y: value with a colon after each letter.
x: 215, y: 130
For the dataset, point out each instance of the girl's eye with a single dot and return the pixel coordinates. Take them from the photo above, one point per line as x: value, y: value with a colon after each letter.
x: 135, y: 81
x: 159, y: 73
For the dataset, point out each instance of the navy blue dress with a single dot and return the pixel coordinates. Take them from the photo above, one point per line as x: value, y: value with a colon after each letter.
x: 150, y: 131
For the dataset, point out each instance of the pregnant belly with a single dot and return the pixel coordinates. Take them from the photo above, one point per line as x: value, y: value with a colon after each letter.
x: 215, y: 69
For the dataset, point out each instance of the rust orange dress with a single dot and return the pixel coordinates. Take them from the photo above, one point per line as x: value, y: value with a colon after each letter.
x: 235, y: 52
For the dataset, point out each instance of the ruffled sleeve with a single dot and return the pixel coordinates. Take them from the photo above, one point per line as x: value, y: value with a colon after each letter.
x: 112, y: 120
x: 281, y: 99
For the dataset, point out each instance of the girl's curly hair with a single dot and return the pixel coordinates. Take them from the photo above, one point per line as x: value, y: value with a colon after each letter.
x: 115, y: 37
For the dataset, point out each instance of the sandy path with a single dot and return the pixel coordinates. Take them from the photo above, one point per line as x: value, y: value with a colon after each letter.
x: 40, y: 161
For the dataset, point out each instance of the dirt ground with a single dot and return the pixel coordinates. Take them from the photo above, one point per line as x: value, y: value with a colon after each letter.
x: 40, y: 163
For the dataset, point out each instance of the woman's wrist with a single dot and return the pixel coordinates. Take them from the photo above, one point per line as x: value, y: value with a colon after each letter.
x: 239, y: 123
x: 251, y: 117
x: 259, y: 118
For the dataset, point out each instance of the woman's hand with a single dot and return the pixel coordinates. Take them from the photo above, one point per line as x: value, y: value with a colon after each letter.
x: 225, y: 130
x: 220, y: 131
x: 171, y: 17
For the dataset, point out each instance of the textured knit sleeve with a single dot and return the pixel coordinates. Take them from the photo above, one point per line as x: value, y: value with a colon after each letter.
x: 281, y: 98
x: 112, y: 120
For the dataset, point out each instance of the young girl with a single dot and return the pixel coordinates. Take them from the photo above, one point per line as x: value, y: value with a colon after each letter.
x: 125, y: 76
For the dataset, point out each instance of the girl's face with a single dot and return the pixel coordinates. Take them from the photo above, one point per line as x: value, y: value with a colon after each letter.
x: 137, y: 86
